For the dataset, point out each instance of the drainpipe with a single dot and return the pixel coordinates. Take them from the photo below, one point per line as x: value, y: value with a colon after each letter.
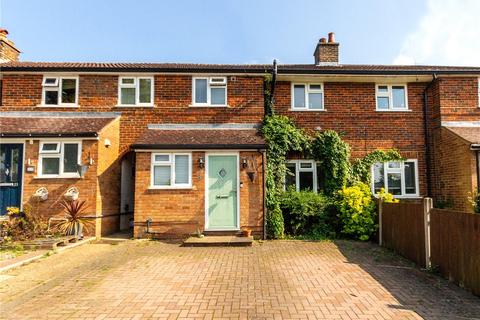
x: 426, y: 134
x: 272, y: 84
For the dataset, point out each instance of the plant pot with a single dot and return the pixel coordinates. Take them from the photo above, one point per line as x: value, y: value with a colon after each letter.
x: 246, y: 232
x: 77, y: 230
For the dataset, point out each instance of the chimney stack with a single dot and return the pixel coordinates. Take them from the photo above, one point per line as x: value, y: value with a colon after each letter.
x: 326, y: 53
x: 8, y: 50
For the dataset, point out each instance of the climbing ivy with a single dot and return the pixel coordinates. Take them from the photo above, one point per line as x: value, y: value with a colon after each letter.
x: 333, y: 157
x: 267, y: 87
x: 361, y: 168
x: 282, y: 137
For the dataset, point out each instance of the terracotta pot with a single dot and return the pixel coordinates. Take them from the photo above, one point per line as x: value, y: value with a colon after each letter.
x: 246, y: 232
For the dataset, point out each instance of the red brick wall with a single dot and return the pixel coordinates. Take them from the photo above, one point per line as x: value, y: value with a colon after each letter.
x: 458, y: 99
x: 172, y: 100
x: 179, y: 212
x: 350, y: 109
x: 456, y: 172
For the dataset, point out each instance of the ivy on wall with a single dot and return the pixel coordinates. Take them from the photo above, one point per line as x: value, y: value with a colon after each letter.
x: 361, y: 168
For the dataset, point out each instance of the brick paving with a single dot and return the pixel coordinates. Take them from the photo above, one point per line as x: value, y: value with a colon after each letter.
x: 271, y: 280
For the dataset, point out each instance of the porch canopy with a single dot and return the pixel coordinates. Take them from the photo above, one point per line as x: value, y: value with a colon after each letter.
x: 53, y: 124
x: 201, y: 137
x: 467, y: 131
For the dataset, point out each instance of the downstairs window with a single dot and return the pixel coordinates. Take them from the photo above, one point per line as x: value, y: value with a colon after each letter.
x: 171, y: 170
x: 399, y: 178
x: 303, y: 175
x: 59, y: 159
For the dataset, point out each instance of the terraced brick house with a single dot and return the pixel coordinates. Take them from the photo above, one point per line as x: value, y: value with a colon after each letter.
x: 174, y: 149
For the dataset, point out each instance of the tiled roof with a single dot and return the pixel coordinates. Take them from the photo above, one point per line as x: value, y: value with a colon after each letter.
x: 50, y: 125
x: 213, y: 138
x: 240, y: 68
x: 469, y: 134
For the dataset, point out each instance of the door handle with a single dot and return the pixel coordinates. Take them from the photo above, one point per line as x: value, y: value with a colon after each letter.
x: 222, y: 196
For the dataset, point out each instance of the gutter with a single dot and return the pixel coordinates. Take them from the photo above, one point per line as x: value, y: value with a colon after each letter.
x: 49, y: 135
x: 427, y: 136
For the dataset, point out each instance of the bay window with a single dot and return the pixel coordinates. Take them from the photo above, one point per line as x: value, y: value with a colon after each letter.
x: 135, y: 91
x: 209, y: 91
x: 59, y: 159
x: 399, y: 178
x: 59, y: 91
x: 391, y: 97
x: 307, y: 96
x: 171, y: 170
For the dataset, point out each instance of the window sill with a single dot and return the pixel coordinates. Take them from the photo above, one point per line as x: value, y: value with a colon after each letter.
x: 57, y: 177
x: 58, y: 106
x: 134, y: 106
x: 307, y: 110
x: 209, y: 106
x: 394, y: 110
x: 170, y: 188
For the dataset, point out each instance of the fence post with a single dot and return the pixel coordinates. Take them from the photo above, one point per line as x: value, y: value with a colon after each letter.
x: 427, y: 206
x: 380, y: 221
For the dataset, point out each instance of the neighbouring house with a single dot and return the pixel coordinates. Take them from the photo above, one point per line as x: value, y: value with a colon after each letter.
x: 173, y: 149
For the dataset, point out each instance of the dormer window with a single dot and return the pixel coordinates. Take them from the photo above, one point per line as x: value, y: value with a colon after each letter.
x: 60, y: 91
x: 391, y: 97
x: 209, y: 91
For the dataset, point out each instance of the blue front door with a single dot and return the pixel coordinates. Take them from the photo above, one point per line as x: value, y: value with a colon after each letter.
x: 11, y: 169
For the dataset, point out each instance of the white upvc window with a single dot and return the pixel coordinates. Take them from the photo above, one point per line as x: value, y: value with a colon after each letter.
x: 307, y: 96
x: 399, y: 178
x: 209, y: 91
x: 391, y: 97
x: 60, y: 91
x: 171, y: 170
x: 303, y: 175
x: 59, y: 159
x: 135, y: 91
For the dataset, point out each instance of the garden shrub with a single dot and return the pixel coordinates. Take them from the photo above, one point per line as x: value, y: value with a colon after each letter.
x: 306, y: 213
x: 356, y: 210
x: 28, y: 224
x: 386, y: 196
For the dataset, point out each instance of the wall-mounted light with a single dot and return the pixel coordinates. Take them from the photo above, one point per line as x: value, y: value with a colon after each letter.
x: 244, y: 163
x: 82, y: 169
x: 107, y: 143
x: 201, y: 162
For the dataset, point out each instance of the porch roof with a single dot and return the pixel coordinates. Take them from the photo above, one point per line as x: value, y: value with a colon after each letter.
x: 200, y: 137
x: 53, y: 124
x: 470, y: 134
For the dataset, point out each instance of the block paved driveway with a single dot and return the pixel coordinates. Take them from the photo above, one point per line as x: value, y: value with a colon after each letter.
x: 271, y: 280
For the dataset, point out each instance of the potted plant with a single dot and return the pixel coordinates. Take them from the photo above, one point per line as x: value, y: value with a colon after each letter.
x: 246, y: 232
x: 75, y: 220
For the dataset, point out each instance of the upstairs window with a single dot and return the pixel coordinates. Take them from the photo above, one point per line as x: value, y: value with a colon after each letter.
x: 307, y: 96
x: 59, y: 159
x: 391, y: 97
x: 135, y: 91
x: 171, y: 170
x: 303, y: 175
x: 210, y: 91
x: 400, y: 178
x: 60, y: 91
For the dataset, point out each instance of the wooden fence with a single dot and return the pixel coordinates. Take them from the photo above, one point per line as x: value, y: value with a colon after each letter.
x: 402, y: 230
x: 445, y: 239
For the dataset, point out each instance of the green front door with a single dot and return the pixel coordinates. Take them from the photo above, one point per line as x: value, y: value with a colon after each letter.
x: 222, y: 192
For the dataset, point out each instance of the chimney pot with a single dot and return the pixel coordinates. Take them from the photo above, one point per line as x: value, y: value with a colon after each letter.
x: 8, y: 50
x: 4, y: 32
x: 326, y: 53
x: 331, y: 37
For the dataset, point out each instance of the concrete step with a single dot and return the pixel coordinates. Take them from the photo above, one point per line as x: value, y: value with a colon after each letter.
x: 218, y: 241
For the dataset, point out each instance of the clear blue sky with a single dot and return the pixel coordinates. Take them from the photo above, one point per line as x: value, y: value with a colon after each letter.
x: 207, y: 31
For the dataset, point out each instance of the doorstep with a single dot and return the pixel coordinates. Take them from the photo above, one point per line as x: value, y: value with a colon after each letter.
x: 218, y: 241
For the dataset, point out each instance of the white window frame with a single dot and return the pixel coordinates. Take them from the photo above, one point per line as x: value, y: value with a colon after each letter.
x: 307, y: 91
x: 57, y: 86
x: 60, y: 153
x: 298, y: 169
x: 401, y: 170
x: 210, y: 85
x: 171, y: 164
x: 136, y: 86
x: 389, y: 95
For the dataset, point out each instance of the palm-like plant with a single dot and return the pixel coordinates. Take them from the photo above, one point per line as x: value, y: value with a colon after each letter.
x: 75, y: 219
